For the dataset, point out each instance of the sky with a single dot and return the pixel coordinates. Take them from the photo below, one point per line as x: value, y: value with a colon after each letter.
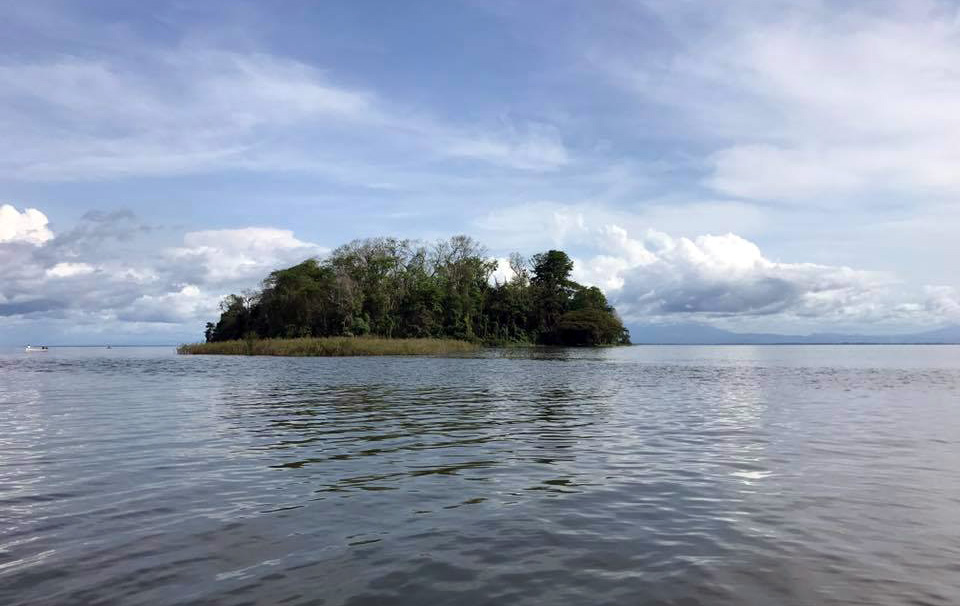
x: 755, y: 165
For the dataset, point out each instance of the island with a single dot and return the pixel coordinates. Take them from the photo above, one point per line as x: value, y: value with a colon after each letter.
x: 380, y: 296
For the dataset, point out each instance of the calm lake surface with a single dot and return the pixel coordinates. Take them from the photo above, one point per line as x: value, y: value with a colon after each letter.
x: 643, y: 475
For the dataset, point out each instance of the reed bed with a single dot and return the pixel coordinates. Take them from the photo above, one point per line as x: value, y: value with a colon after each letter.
x: 330, y: 346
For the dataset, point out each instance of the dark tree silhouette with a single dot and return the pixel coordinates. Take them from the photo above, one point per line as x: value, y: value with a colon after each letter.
x: 399, y: 288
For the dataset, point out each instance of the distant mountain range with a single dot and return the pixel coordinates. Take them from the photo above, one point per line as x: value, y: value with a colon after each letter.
x: 699, y: 334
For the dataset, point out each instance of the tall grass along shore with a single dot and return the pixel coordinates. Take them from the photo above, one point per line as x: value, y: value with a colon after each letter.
x: 329, y: 346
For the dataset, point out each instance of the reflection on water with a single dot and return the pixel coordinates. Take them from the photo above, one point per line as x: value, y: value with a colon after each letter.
x: 642, y: 475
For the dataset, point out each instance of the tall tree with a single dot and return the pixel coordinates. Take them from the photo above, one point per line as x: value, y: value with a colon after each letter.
x: 399, y: 288
x: 552, y: 288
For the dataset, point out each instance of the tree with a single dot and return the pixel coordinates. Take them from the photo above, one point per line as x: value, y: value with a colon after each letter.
x: 296, y: 302
x: 591, y: 326
x: 234, y: 319
x: 463, y: 268
x: 552, y: 289
x: 589, y: 298
x: 399, y: 288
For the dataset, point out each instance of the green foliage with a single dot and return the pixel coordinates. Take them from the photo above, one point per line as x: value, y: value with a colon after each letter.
x: 591, y: 327
x: 235, y: 317
x: 589, y: 298
x: 393, y: 288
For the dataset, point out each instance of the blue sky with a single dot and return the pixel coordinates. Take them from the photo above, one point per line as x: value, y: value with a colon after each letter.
x: 778, y: 165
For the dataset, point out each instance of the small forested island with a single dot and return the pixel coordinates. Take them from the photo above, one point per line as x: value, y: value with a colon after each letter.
x: 386, y: 296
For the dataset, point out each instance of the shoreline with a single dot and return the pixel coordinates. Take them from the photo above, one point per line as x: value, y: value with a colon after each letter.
x: 329, y: 347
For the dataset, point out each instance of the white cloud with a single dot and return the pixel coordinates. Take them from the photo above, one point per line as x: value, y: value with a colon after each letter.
x: 537, y: 225
x: 534, y: 224
x: 29, y: 226
x: 197, y: 109
x: 189, y: 304
x: 91, y: 118
x: 713, y: 278
x: 647, y: 274
x: 720, y: 275
x: 69, y: 270
x: 503, y: 273
x: 943, y: 301
x: 811, y: 101
x: 539, y: 149
x: 232, y: 255
x: 122, y: 282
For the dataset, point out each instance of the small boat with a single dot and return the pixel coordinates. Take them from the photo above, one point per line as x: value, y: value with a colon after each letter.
x: 35, y: 348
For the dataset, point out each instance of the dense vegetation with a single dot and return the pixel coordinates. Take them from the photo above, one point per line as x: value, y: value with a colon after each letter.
x: 401, y: 289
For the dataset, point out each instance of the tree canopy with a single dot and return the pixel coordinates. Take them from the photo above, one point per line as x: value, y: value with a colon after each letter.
x: 401, y: 288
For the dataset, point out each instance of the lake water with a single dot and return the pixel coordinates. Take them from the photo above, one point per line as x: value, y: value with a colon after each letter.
x: 643, y: 475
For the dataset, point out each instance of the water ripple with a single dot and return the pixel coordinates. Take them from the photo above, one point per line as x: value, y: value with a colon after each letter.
x: 642, y: 475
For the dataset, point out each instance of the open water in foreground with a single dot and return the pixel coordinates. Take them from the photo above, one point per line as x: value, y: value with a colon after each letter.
x: 644, y: 475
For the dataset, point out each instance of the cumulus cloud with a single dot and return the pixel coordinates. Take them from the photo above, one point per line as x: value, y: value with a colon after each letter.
x: 653, y: 275
x: 723, y: 275
x: 29, y: 226
x: 183, y: 306
x: 535, y: 225
x: 229, y: 255
x: 102, y: 273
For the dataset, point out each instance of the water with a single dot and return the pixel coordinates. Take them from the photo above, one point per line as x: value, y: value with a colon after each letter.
x: 644, y: 475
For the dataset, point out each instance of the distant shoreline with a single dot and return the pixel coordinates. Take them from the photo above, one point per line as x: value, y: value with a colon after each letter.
x: 793, y: 344
x: 659, y: 344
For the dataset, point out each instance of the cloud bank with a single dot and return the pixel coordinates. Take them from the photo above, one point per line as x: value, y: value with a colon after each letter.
x: 101, y: 276
x: 654, y: 276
